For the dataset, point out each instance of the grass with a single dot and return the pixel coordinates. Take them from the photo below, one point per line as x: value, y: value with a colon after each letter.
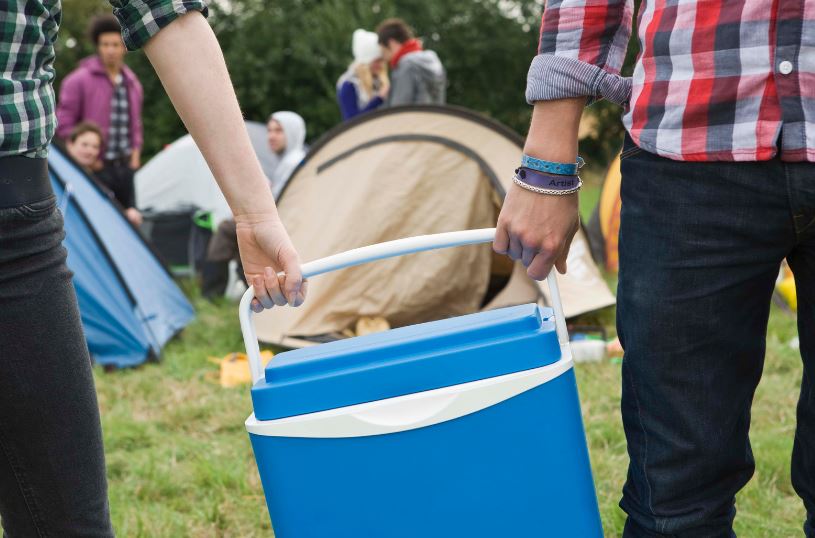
x: 589, y: 196
x: 768, y: 506
x: 179, y: 460
x: 180, y: 463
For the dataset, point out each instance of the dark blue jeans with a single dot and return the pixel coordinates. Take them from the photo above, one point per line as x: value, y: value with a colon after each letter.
x: 700, y: 248
x: 52, y: 469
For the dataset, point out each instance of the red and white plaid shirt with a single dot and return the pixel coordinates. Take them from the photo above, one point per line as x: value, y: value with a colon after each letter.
x: 714, y: 80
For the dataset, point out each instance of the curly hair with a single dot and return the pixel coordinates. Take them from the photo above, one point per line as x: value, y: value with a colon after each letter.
x: 103, y: 24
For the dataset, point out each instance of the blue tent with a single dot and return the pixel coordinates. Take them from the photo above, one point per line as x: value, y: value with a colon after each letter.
x: 129, y: 303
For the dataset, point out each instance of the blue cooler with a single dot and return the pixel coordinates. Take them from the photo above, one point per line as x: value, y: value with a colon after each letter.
x: 464, y: 427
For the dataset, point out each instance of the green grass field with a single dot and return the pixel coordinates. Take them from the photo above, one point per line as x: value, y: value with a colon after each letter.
x: 180, y: 463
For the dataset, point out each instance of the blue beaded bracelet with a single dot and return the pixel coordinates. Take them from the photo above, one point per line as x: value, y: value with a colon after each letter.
x: 549, y: 167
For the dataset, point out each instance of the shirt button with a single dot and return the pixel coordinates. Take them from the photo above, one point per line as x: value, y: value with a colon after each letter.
x: 785, y: 67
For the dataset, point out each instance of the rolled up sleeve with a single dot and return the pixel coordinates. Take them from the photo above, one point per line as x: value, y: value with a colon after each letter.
x: 582, y: 49
x: 142, y: 19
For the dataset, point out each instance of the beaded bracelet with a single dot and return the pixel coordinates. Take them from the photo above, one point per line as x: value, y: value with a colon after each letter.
x: 549, y: 167
x: 556, y: 185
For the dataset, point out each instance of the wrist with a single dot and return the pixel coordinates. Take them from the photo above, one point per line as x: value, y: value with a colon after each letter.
x: 554, y: 129
x: 255, y: 207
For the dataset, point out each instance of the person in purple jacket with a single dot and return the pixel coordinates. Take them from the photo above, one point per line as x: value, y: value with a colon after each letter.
x: 104, y: 91
x: 365, y: 85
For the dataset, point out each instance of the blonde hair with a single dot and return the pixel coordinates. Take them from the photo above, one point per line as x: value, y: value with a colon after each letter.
x: 366, y: 78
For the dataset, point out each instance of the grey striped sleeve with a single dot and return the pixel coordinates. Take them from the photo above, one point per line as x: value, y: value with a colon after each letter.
x: 559, y: 77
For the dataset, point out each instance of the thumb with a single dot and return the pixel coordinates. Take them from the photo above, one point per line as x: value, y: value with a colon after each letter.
x: 500, y: 243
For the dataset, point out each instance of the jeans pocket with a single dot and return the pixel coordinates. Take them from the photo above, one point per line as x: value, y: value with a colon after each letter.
x: 629, y: 148
x: 38, y: 210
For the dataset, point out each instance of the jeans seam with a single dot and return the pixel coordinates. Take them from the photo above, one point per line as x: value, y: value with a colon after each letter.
x: 645, y: 454
x: 630, y: 152
x: 789, y: 200
x: 27, y: 497
x: 807, y: 227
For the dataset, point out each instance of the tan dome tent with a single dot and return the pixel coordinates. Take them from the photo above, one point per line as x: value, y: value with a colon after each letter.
x: 403, y: 172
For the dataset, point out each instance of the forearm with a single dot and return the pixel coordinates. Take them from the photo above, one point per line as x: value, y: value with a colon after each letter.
x: 189, y: 62
x: 553, y: 131
x: 537, y: 229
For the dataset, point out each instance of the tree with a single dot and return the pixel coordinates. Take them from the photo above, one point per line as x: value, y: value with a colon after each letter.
x: 291, y: 55
x: 288, y: 55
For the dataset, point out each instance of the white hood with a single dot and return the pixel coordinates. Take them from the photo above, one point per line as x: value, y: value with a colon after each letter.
x: 294, y: 128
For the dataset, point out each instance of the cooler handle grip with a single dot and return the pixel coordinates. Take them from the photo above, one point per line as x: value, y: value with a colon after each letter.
x: 380, y: 251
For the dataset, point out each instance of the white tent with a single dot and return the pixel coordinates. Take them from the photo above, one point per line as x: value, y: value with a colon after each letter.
x: 178, y: 177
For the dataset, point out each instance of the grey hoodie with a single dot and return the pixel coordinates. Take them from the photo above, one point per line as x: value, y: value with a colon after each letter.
x: 418, y: 79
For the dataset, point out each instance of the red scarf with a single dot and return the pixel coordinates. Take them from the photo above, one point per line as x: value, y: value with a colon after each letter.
x: 411, y: 45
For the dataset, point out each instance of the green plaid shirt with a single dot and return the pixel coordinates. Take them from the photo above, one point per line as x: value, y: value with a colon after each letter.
x: 28, y: 31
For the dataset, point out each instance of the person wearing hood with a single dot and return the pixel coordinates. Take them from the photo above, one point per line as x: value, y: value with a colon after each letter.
x: 104, y: 91
x: 364, y: 86
x: 286, y: 133
x: 287, y: 137
x: 417, y: 75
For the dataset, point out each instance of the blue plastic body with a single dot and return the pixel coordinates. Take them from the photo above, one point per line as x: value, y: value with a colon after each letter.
x: 406, y: 360
x: 516, y: 469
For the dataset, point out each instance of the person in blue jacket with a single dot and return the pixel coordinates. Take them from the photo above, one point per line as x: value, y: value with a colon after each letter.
x: 365, y: 85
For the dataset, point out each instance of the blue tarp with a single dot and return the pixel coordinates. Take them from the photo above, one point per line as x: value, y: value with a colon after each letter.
x: 129, y: 303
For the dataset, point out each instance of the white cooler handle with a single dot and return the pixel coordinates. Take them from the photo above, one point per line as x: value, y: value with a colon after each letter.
x: 380, y: 251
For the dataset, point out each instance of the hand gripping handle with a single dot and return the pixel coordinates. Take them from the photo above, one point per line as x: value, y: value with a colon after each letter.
x: 381, y: 251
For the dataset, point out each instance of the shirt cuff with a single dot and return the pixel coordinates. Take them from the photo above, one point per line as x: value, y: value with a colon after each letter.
x: 553, y: 77
x: 142, y: 19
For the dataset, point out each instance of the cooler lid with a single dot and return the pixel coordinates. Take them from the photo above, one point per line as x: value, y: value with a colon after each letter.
x: 406, y: 360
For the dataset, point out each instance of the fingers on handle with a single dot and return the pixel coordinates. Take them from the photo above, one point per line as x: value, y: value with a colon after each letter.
x: 268, y: 294
x: 292, y: 283
x: 261, y: 293
x: 256, y: 306
x: 500, y: 243
x: 268, y: 291
x: 545, y: 257
x: 541, y: 266
x: 273, y: 285
x: 528, y: 255
x: 301, y: 295
x: 516, y: 249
